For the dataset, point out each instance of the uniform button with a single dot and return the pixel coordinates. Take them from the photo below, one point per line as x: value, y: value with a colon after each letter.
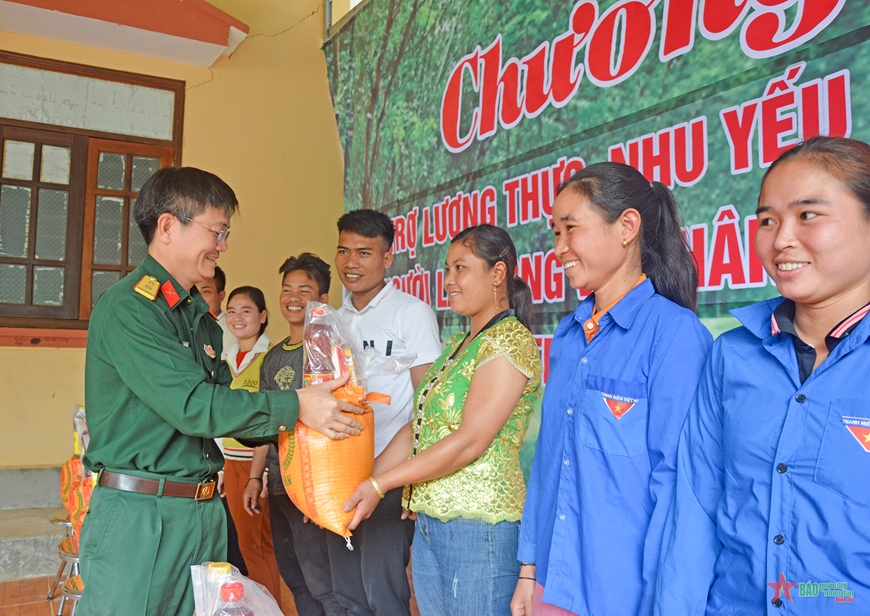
x: 800, y: 398
x: 562, y: 516
x: 206, y: 455
x: 566, y: 462
x: 570, y: 411
x: 282, y: 428
x: 189, y: 302
x: 777, y: 602
x: 584, y: 360
x: 781, y: 468
x: 779, y: 540
x: 590, y: 325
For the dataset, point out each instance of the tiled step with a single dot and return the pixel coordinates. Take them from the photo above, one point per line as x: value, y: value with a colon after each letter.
x: 28, y: 543
x: 27, y: 598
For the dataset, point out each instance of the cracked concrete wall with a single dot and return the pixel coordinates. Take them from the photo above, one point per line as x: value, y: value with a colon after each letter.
x: 261, y: 119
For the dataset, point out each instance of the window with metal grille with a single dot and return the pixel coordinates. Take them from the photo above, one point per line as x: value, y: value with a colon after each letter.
x: 67, y: 192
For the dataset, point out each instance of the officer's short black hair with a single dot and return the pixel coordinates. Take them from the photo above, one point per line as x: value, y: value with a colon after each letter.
x: 316, y: 268
x: 183, y: 192
x: 220, y: 279
x: 368, y: 223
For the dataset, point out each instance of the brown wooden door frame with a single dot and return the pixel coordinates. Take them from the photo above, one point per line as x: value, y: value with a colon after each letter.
x: 166, y: 154
x: 75, y: 188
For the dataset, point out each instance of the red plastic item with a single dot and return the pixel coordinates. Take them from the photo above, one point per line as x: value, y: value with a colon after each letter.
x: 233, y: 596
x: 232, y: 591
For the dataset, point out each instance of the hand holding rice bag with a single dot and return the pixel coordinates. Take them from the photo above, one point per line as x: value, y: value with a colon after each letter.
x: 320, y: 474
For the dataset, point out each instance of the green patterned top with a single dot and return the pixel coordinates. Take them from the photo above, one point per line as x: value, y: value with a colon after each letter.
x: 491, y: 488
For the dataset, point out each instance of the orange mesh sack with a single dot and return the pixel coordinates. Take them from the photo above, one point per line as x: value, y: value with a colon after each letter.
x: 71, y: 471
x: 320, y: 474
x: 68, y: 479
x: 81, y: 499
x: 83, y: 487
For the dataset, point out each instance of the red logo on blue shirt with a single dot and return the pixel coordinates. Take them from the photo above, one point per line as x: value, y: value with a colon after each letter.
x: 781, y: 587
x: 859, y: 427
x: 618, y: 405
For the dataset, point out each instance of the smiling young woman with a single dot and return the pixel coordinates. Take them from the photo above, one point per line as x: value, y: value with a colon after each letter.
x: 623, y: 368
x: 247, y: 319
x: 773, y: 471
x: 472, y: 409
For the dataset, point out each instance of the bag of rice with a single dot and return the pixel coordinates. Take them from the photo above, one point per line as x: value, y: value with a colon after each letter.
x: 320, y: 474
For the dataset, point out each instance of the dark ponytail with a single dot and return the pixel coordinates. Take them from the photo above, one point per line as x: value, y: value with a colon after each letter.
x: 492, y: 245
x: 613, y: 188
x: 520, y: 299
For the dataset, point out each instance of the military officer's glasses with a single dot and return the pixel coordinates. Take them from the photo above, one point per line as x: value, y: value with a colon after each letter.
x: 220, y: 235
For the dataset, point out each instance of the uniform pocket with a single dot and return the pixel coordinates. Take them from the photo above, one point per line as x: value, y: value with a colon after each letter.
x: 614, y: 416
x: 843, y: 465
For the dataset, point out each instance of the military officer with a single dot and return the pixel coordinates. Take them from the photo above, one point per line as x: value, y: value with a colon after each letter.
x: 156, y: 395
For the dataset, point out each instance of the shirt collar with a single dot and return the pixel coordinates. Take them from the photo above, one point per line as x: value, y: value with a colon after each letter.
x: 232, y: 351
x: 262, y: 344
x: 152, y: 267
x: 625, y: 310
x: 756, y: 317
x: 389, y: 287
x: 766, y: 319
x: 782, y: 321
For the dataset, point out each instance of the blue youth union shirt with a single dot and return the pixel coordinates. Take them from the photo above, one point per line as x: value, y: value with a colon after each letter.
x: 605, y: 461
x: 772, y: 505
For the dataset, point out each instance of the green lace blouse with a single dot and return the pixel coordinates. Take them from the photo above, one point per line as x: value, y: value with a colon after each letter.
x: 491, y: 488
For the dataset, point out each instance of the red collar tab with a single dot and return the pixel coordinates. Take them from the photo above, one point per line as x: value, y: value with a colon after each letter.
x: 169, y: 293
x: 774, y: 326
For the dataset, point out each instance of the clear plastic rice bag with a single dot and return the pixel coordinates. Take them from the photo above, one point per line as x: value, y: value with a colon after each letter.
x: 320, y: 474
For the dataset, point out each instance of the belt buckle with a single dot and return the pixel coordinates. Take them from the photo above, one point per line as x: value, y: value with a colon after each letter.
x: 205, y: 491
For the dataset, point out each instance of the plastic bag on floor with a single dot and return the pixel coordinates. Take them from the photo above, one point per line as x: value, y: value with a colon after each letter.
x: 220, y: 590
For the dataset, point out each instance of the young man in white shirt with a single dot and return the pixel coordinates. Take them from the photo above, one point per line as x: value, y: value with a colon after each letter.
x: 371, y: 580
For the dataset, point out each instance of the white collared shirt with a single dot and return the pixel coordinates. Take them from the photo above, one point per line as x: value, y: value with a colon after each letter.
x: 396, y: 324
x: 228, y: 338
x: 232, y: 353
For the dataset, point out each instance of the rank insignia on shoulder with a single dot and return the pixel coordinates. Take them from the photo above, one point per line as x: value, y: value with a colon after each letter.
x: 209, y: 350
x: 170, y: 294
x: 147, y: 287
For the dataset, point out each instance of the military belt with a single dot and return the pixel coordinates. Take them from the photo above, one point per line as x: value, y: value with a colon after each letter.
x: 142, y: 485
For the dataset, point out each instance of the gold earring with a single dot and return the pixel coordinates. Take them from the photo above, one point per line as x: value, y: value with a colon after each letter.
x: 625, y: 243
x: 494, y: 298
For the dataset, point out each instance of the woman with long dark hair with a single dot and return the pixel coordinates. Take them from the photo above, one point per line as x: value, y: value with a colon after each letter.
x: 472, y: 410
x: 772, y: 506
x: 246, y: 320
x: 623, y: 368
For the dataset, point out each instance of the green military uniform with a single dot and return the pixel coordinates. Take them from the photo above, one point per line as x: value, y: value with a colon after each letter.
x: 156, y: 395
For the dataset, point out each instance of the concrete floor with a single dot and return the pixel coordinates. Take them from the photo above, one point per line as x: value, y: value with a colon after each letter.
x: 27, y: 597
x: 28, y: 543
x: 25, y: 564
